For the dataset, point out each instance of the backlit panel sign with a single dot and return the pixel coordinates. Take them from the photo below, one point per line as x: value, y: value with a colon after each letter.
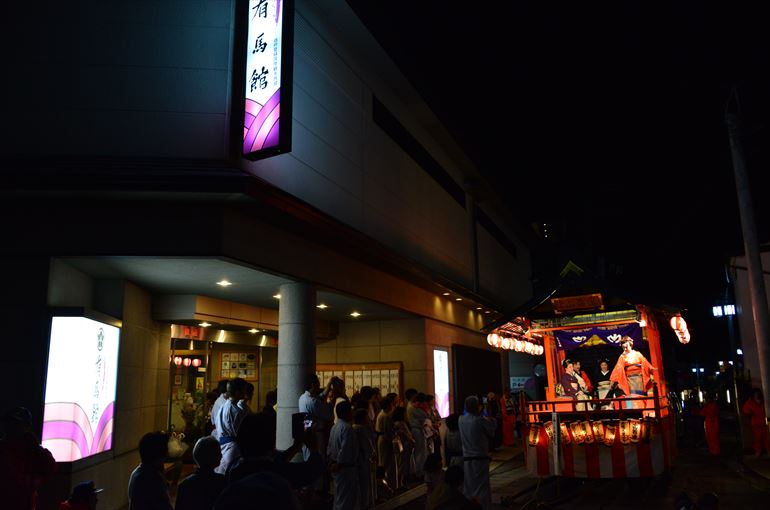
x: 267, y: 122
x: 80, y: 388
x: 441, y: 381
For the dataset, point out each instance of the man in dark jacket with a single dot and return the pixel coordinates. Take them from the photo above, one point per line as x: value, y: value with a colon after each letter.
x: 147, y: 487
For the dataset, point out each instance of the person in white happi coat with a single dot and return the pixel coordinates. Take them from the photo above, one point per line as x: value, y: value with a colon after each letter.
x: 217, y: 406
x: 313, y: 403
x: 342, y: 453
x: 476, y: 432
x: 228, y: 422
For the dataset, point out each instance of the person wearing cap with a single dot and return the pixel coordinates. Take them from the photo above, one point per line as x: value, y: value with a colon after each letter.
x: 476, y: 431
x: 24, y: 464
x: 83, y: 497
x: 200, y: 490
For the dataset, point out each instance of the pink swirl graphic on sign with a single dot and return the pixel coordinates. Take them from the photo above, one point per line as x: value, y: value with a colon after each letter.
x: 66, y: 424
x: 261, y: 124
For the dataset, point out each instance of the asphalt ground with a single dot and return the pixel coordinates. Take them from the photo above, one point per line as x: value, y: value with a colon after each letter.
x: 739, y: 481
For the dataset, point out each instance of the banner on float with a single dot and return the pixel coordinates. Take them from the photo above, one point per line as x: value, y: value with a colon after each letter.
x: 573, y: 338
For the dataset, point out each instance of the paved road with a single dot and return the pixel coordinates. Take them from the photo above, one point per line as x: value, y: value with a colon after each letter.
x: 695, y: 473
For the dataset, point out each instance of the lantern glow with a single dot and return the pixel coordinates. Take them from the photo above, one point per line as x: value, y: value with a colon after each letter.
x: 609, y: 435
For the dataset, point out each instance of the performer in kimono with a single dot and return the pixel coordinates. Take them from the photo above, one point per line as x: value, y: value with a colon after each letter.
x: 476, y: 431
x: 228, y: 421
x: 632, y: 372
x: 603, y: 384
x: 508, y: 411
x: 569, y: 382
x: 343, y: 453
x: 572, y: 385
x: 586, y: 386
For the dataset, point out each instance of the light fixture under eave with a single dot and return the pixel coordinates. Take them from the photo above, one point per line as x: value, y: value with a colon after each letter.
x: 253, y: 331
x: 355, y: 314
x: 479, y: 308
x: 458, y: 299
x: 277, y: 296
x: 204, y: 324
x: 487, y: 311
x: 445, y: 293
x: 322, y: 306
x: 224, y: 283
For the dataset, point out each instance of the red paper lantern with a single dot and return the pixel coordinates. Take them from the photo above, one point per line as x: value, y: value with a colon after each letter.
x: 196, y: 362
x: 677, y: 323
x: 186, y: 362
x: 177, y: 360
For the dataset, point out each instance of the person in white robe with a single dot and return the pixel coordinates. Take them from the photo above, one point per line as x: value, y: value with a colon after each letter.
x: 476, y: 432
x: 313, y: 403
x: 228, y: 422
x: 217, y: 406
x: 342, y: 453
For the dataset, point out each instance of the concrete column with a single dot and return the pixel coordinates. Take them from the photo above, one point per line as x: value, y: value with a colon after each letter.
x: 296, y: 352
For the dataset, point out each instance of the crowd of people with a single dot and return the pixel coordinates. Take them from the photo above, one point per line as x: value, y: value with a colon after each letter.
x: 362, y: 448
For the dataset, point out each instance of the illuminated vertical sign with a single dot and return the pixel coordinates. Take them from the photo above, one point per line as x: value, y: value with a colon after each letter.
x: 441, y: 381
x: 268, y: 76
x: 80, y: 388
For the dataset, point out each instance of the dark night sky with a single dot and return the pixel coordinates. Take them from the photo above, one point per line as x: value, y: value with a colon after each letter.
x: 605, y: 120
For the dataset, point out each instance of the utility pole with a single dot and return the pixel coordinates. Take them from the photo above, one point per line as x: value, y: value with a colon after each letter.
x: 759, y: 308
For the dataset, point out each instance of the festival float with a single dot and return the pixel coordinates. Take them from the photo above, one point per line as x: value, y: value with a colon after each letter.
x: 614, y: 431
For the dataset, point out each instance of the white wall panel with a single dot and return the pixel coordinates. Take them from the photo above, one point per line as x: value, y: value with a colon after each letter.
x: 319, y: 84
x: 314, y: 118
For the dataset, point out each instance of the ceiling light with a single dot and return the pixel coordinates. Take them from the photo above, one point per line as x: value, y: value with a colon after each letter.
x: 478, y: 308
x: 277, y: 296
x: 224, y: 283
x: 253, y: 330
x: 446, y: 293
x: 204, y: 324
x: 322, y: 306
x: 355, y: 314
x: 487, y: 311
x: 458, y: 299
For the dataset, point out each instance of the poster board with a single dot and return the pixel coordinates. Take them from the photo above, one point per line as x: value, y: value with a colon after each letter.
x: 234, y: 363
x: 387, y: 376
